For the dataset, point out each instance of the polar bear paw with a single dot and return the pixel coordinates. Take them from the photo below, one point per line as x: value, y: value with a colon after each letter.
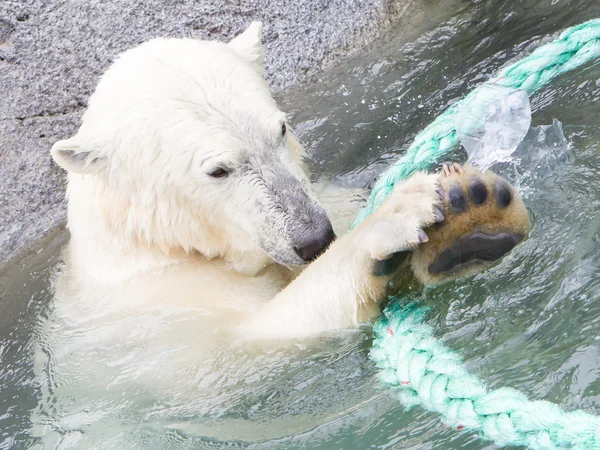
x: 397, y: 226
x: 484, y: 218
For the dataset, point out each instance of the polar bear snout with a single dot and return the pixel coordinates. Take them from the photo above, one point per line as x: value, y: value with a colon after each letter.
x: 314, y: 242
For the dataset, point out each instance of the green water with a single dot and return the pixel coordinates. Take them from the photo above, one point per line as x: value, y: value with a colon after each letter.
x: 532, y: 322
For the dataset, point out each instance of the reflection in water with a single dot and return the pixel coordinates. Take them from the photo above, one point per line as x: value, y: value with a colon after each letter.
x: 531, y: 322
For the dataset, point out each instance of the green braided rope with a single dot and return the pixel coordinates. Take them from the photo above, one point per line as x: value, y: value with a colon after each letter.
x: 428, y: 373
x: 422, y: 368
x: 574, y: 47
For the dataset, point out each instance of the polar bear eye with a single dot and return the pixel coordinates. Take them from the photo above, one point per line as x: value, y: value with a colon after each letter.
x: 283, y: 129
x: 219, y: 172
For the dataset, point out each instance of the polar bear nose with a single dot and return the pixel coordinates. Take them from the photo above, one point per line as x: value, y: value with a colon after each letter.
x: 313, y: 245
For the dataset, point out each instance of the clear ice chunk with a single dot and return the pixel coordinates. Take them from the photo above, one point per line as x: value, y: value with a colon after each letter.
x: 492, y: 122
x: 541, y: 152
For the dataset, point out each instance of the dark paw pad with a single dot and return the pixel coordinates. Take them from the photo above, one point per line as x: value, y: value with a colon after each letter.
x: 473, y: 249
x: 388, y: 266
x: 457, y: 199
x: 478, y: 192
x: 503, y: 194
x: 478, y: 195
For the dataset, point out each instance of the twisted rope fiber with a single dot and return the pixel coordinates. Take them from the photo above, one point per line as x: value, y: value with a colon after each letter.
x: 425, y: 371
x: 428, y: 373
x: 575, y: 47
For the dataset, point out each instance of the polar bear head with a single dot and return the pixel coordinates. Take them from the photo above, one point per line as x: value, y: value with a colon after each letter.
x: 182, y: 147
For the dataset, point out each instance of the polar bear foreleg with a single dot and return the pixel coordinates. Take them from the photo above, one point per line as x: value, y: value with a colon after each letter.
x: 343, y: 287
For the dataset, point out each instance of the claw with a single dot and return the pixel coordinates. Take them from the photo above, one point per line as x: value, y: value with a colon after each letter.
x: 446, y: 170
x: 442, y: 194
x: 458, y: 168
x: 423, y: 237
x: 438, y: 215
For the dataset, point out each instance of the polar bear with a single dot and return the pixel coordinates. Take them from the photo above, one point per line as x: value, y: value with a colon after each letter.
x: 194, y: 228
x: 184, y: 177
x: 186, y: 187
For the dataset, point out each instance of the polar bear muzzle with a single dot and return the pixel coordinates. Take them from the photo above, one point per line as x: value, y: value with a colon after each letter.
x: 292, y: 226
x: 312, y: 244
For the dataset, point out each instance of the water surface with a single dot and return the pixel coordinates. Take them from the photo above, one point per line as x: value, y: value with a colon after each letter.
x: 532, y: 322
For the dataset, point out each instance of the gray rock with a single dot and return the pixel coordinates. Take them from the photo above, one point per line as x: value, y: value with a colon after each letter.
x: 52, y: 53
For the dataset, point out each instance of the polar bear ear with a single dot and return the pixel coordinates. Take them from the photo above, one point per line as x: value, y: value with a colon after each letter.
x: 72, y: 157
x: 249, y: 46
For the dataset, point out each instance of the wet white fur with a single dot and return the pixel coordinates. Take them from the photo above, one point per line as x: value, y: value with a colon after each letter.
x: 151, y: 229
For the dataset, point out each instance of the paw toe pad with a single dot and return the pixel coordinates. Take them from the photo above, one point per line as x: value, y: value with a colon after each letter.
x: 503, y: 194
x: 457, y: 200
x: 478, y: 192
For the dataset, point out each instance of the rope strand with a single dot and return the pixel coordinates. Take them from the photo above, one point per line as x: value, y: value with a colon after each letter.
x: 425, y: 372
x: 574, y: 48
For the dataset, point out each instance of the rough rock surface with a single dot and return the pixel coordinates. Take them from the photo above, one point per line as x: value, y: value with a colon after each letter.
x: 52, y: 53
